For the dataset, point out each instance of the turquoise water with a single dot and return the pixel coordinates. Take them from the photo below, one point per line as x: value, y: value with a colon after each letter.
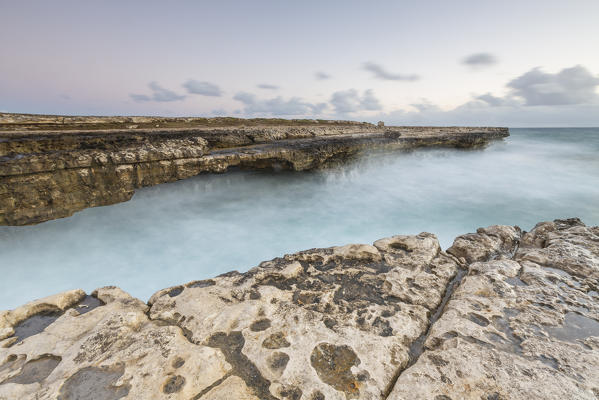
x: 201, y: 227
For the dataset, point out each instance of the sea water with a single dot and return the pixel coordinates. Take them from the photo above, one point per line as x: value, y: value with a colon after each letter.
x: 204, y: 226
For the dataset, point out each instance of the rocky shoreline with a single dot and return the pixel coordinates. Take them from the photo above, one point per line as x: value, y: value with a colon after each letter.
x: 53, y: 166
x: 502, y: 314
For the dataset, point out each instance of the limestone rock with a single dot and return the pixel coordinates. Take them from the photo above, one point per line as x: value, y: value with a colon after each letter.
x: 519, y: 328
x: 330, y: 323
x: 511, y: 315
x: 487, y: 243
x: 113, y: 351
x: 53, y: 166
x: 335, y: 321
x: 43, y: 307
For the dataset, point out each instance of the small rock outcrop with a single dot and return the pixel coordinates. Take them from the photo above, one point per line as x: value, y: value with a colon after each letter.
x: 503, y: 314
x: 52, y: 166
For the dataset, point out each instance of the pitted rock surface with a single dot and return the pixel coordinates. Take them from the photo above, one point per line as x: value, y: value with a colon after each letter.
x: 336, y: 320
x: 519, y: 327
x: 111, y: 352
x: 336, y: 323
x: 333, y: 364
x: 93, y: 383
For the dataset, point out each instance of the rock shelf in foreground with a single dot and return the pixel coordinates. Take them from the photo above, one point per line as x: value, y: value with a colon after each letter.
x: 52, y: 166
x: 503, y: 314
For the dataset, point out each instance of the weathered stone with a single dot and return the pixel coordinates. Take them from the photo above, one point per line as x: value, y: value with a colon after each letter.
x: 334, y: 364
x: 494, y: 242
x: 35, y: 371
x: 111, y: 352
x: 53, y: 166
x: 94, y: 383
x: 516, y: 318
x: 173, y: 384
x: 519, y: 326
x: 34, y: 316
x: 275, y: 341
x: 282, y: 338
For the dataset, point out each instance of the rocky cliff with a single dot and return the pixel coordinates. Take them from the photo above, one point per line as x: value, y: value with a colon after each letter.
x: 502, y: 314
x: 51, y: 167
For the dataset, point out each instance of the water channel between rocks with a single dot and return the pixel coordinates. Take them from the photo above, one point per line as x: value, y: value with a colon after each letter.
x: 204, y: 226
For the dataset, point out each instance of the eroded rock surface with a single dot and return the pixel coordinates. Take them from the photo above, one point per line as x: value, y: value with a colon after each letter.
x: 335, y: 321
x: 113, y: 351
x: 53, y: 166
x: 504, y: 314
x: 330, y: 323
x: 521, y: 325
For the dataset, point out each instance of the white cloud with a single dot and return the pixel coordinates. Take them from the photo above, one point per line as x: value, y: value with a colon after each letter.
x: 425, y: 106
x: 479, y: 60
x: 470, y: 115
x: 321, y: 75
x: 159, y: 94
x: 202, y: 88
x: 536, y: 98
x: 277, y: 106
x: 380, y: 73
x: 493, y: 101
x: 574, y: 85
x: 267, y: 86
x: 350, y: 101
x: 221, y: 112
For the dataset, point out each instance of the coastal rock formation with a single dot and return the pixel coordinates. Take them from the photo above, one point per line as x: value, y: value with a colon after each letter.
x: 503, y: 314
x: 523, y: 326
x: 51, y: 167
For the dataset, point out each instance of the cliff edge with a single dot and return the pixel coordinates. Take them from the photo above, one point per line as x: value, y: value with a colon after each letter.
x: 53, y: 166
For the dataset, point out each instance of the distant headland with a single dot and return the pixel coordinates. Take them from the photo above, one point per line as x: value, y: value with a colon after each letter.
x: 52, y: 166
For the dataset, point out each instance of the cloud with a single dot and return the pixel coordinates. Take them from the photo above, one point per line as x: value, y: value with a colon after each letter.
x: 202, y: 88
x: 159, y: 94
x: 477, y: 114
x: 349, y: 101
x: 380, y: 73
x: 478, y: 60
x: 220, y: 112
x: 536, y: 98
x: 267, y: 86
x: 426, y: 106
x: 575, y: 85
x: 321, y: 76
x: 277, y: 105
x: 491, y: 100
x: 369, y: 102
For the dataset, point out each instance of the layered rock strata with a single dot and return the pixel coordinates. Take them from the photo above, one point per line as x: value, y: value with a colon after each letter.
x: 503, y: 314
x: 54, y: 166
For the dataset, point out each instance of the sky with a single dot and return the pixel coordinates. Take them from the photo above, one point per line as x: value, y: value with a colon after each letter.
x: 514, y: 63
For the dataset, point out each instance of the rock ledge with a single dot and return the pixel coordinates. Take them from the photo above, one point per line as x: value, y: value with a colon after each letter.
x: 53, y: 166
x: 503, y: 314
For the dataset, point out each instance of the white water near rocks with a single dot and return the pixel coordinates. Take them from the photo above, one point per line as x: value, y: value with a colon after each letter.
x: 201, y: 227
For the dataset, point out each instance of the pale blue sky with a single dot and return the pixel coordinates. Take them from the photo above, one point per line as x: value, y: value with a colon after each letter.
x: 427, y: 62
